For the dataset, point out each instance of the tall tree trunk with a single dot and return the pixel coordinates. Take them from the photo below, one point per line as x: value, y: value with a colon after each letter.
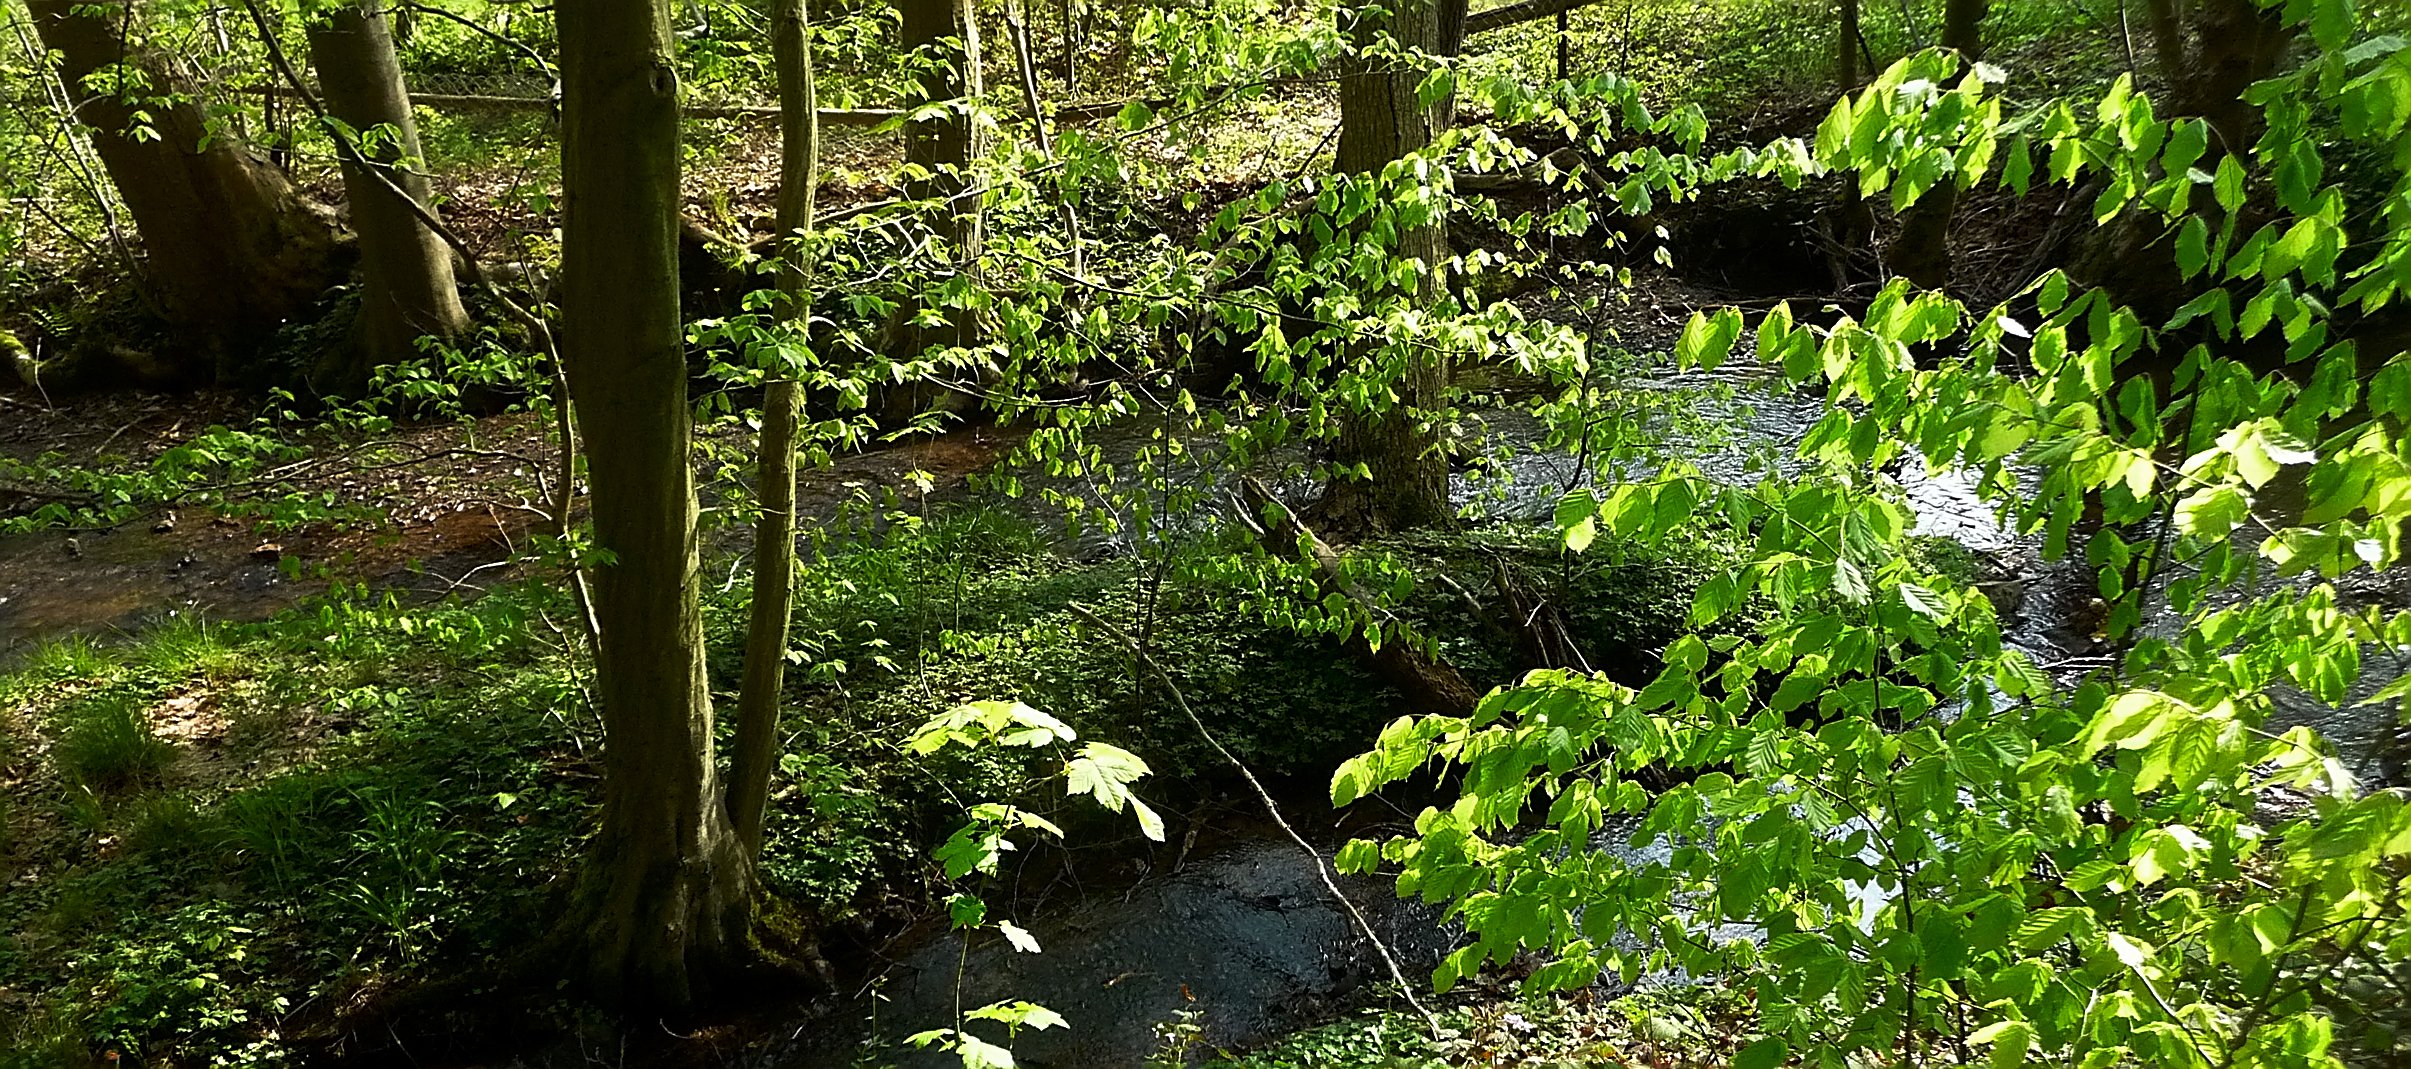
x: 774, y: 534
x: 1845, y: 56
x: 667, y: 893
x: 2234, y: 44
x: 1382, y: 119
x: 406, y: 286
x: 1963, y: 27
x: 231, y: 249
x: 1921, y: 253
x: 1850, y: 225
x: 938, y: 153
x: 2208, y: 52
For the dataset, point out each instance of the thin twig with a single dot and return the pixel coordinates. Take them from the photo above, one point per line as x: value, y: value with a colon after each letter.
x: 1271, y: 808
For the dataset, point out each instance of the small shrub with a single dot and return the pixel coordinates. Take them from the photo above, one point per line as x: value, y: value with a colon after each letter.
x: 108, y: 744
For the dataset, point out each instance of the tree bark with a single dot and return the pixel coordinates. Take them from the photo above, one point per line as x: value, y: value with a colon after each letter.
x: 2208, y: 52
x: 938, y: 153
x: 230, y: 247
x: 1963, y: 27
x: 757, y: 742
x: 945, y: 33
x: 2231, y: 44
x: 1921, y: 253
x: 406, y: 286
x: 1381, y: 120
x: 1850, y: 225
x: 666, y: 896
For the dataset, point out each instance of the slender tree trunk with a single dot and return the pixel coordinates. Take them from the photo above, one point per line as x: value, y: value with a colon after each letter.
x: 231, y: 249
x: 1921, y: 253
x: 1565, y: 46
x: 1071, y: 53
x: 1381, y: 119
x: 757, y: 744
x: 667, y: 893
x: 1850, y: 225
x: 1065, y: 209
x: 407, y: 288
x: 938, y: 153
x: 1846, y: 49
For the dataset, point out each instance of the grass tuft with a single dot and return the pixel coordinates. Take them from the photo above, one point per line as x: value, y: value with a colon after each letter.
x: 187, y: 646
x: 107, y: 744
x: 167, y: 824
x: 74, y: 657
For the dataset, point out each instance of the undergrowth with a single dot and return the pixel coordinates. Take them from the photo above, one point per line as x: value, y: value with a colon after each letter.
x: 224, y: 838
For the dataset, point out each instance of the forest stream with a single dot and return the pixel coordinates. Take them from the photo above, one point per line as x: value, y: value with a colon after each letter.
x: 927, y: 533
x: 1243, y: 941
x: 1251, y: 944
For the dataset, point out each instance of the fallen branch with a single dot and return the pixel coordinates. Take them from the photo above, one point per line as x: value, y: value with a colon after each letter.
x: 1428, y: 684
x: 1499, y: 18
x: 1271, y: 808
x: 861, y: 117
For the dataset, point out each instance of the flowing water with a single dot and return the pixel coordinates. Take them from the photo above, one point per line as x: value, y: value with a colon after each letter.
x: 1251, y: 944
x: 1248, y: 944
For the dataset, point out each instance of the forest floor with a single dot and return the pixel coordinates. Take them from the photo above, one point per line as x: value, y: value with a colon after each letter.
x: 263, y: 768
x: 293, y: 728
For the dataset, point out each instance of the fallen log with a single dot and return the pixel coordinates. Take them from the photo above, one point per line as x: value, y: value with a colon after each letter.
x: 1429, y: 685
x: 857, y: 117
x: 1499, y: 18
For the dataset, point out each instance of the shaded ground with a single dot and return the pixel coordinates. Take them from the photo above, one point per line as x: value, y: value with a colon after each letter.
x: 429, y: 510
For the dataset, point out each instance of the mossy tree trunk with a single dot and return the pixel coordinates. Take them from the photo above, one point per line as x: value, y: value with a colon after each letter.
x: 407, y: 290
x: 667, y: 895
x: 1921, y: 253
x: 230, y: 248
x: 1382, y: 119
x: 757, y: 743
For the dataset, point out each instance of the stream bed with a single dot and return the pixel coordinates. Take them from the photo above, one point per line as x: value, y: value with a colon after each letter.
x: 1250, y: 946
x: 1248, y: 943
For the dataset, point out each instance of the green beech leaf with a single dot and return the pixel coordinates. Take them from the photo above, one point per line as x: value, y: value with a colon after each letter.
x: 1766, y: 1053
